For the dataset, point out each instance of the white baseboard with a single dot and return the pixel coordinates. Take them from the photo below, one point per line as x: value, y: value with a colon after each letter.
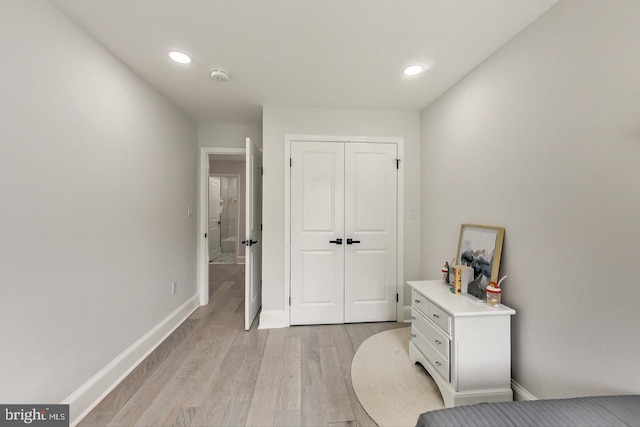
x: 520, y: 393
x: 87, y: 397
x: 273, y: 319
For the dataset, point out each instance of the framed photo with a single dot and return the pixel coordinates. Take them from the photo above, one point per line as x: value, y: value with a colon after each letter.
x: 480, y: 247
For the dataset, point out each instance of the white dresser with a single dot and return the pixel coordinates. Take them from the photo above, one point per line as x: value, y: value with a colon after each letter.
x: 464, y: 345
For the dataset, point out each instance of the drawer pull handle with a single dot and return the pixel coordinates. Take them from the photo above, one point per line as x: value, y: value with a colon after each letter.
x: 413, y: 335
x: 435, y: 316
x: 438, y: 342
x: 418, y: 301
x: 438, y: 364
x: 413, y: 317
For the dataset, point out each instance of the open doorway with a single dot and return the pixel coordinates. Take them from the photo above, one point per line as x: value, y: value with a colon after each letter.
x: 246, y: 166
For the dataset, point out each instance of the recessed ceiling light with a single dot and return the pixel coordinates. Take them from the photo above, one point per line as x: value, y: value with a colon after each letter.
x: 413, y: 70
x: 179, y: 57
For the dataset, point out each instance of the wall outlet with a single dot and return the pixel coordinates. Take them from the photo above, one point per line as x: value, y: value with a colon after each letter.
x: 174, y: 288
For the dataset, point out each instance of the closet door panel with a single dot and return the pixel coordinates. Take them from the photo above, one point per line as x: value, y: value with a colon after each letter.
x: 371, y: 224
x: 369, y: 268
x: 317, y: 218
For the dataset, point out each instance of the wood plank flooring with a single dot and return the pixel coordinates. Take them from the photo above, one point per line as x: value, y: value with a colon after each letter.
x: 211, y: 372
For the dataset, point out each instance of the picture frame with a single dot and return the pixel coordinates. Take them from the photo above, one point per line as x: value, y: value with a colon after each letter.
x: 480, y: 247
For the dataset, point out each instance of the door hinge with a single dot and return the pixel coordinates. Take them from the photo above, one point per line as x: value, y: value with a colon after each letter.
x: 290, y: 162
x: 397, y: 297
x: 205, y: 235
x: 289, y: 300
x: 397, y: 163
x: 260, y: 227
x: 261, y: 170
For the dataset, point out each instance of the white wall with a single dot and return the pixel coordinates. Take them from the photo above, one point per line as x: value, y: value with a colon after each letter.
x: 235, y: 168
x: 279, y: 121
x: 544, y: 139
x: 228, y: 135
x: 97, y: 170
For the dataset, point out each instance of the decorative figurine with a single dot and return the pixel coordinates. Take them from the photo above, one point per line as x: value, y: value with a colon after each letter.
x: 445, y: 273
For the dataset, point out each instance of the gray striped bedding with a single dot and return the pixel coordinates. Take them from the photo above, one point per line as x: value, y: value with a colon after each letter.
x: 597, y: 411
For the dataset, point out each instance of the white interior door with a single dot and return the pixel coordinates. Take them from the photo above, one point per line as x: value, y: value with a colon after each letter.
x: 370, y: 232
x: 317, y: 233
x: 213, y: 239
x: 253, y: 234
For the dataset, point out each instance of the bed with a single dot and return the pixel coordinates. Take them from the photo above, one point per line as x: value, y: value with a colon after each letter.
x: 596, y: 411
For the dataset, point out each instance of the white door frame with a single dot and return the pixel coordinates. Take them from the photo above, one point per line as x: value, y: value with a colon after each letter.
x: 203, y: 226
x: 287, y: 212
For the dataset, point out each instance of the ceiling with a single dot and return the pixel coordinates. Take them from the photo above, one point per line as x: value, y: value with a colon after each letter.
x: 302, y: 53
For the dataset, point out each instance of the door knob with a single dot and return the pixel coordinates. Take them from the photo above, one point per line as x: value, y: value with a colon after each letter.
x: 337, y: 241
x: 351, y: 241
x: 249, y: 242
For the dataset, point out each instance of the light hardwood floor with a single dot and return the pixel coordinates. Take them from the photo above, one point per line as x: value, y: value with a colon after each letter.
x: 211, y: 372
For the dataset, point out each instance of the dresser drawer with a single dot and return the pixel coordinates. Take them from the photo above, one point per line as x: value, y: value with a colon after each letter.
x: 439, y: 340
x: 419, y: 302
x: 439, y: 317
x: 433, y: 356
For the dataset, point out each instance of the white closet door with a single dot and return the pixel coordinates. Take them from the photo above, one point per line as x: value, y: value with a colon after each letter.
x: 317, y: 219
x: 370, y: 222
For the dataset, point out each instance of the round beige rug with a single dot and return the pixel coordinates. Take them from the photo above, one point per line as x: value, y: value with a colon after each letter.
x: 392, y: 390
